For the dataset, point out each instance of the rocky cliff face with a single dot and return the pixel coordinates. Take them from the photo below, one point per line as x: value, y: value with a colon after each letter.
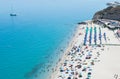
x: 112, y: 13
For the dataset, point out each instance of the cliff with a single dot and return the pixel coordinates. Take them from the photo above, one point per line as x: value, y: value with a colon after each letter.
x: 111, y: 13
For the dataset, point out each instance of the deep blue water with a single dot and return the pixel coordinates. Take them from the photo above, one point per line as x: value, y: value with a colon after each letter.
x: 41, y: 28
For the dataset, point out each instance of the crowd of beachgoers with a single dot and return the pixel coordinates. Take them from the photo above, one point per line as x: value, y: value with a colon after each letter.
x: 79, y: 62
x: 89, y: 43
x: 81, y: 58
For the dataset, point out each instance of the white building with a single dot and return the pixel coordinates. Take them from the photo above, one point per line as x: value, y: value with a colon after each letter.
x: 113, y: 4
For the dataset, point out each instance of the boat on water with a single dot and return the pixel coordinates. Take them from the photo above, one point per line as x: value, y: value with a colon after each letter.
x: 13, y: 14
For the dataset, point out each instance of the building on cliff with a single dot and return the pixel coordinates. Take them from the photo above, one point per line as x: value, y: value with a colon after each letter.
x: 113, y: 4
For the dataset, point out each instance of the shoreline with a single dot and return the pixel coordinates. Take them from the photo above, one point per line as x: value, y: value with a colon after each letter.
x: 63, y: 57
x: 88, y: 63
x: 53, y: 61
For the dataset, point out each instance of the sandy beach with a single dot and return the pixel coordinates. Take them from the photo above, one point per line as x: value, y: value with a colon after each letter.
x: 64, y: 56
x: 93, y: 53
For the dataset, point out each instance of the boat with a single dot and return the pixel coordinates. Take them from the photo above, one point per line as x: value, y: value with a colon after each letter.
x: 13, y: 14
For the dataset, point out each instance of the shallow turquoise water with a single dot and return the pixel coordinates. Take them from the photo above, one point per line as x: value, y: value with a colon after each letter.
x: 40, y: 29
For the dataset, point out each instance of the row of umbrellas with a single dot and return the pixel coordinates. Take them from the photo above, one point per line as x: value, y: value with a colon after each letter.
x: 105, y: 36
x: 95, y: 35
x: 100, y: 35
x: 90, y: 37
x: 85, y: 38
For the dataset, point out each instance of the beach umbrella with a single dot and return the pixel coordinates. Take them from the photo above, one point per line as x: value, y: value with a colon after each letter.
x: 80, y: 75
x: 69, y: 78
x: 89, y: 73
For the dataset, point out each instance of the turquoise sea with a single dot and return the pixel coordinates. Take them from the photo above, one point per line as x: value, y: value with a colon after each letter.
x: 34, y: 39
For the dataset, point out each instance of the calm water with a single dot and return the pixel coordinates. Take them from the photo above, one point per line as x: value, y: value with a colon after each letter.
x: 41, y: 28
